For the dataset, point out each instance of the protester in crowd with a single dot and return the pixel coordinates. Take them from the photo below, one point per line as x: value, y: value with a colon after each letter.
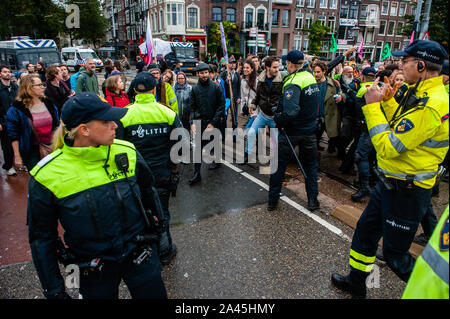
x: 8, y: 93
x: 118, y: 69
x: 183, y: 91
x: 87, y: 79
x: 40, y: 69
x: 66, y: 76
x: 266, y: 97
x: 139, y: 64
x: 330, y: 99
x: 169, y: 77
x: 74, y: 77
x: 30, y: 68
x: 31, y: 121
x: 164, y: 91
x: 57, y: 90
x: 115, y: 91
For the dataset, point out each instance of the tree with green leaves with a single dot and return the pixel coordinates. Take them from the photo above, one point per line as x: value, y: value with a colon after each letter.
x: 232, y: 38
x: 93, y: 25
x: 439, y: 22
x: 34, y: 18
x: 317, y: 33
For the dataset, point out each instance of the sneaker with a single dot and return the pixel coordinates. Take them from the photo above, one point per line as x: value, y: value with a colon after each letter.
x: 166, y: 259
x: 421, y: 239
x: 11, y: 172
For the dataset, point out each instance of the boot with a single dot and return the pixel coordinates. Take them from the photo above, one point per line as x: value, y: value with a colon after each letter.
x: 196, y: 177
x: 344, y: 283
x: 313, y: 204
x: 364, y: 190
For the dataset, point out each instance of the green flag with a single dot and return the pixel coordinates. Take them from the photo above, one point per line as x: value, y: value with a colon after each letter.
x: 386, y: 52
x: 333, y: 44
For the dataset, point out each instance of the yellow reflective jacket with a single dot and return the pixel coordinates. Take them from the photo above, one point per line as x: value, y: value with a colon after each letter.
x: 418, y: 140
x: 429, y: 278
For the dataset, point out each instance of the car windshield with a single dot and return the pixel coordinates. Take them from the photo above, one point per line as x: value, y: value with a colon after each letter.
x: 184, y: 53
x: 88, y: 55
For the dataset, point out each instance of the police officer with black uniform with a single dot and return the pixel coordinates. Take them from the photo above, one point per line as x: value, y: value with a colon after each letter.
x: 410, y: 139
x: 148, y: 125
x: 207, y: 104
x: 297, y: 116
x: 97, y: 187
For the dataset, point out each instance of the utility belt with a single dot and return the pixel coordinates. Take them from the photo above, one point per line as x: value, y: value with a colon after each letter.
x: 394, y: 184
x: 140, y: 253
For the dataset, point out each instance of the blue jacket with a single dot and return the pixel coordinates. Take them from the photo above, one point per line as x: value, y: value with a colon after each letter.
x: 18, y: 124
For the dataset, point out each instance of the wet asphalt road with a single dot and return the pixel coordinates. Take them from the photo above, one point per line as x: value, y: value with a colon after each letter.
x: 229, y: 246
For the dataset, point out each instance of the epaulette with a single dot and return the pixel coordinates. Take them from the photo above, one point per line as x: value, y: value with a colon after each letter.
x: 44, y: 161
x: 124, y: 143
x: 422, y: 102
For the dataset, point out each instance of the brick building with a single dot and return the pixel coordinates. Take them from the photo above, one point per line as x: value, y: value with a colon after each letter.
x: 378, y: 21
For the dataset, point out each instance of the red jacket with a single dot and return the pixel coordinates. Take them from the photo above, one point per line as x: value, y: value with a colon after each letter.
x: 114, y: 99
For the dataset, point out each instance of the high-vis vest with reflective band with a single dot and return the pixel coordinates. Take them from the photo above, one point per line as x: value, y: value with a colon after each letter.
x: 429, y: 278
x: 418, y: 141
x: 171, y: 98
x: 363, y: 89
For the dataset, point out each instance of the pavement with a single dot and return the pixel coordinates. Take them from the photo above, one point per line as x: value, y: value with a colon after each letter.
x: 229, y: 246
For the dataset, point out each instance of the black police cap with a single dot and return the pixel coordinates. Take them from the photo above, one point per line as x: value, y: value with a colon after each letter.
x: 426, y: 50
x: 144, y: 82
x: 87, y: 106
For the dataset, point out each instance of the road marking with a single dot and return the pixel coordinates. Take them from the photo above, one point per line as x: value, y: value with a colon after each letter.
x: 289, y: 201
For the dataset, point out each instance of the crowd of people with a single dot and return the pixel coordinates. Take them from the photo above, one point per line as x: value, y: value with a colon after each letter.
x: 303, y: 96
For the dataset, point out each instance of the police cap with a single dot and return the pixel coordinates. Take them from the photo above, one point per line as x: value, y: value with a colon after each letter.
x: 426, y: 50
x: 294, y: 56
x: 144, y: 82
x: 369, y: 71
x: 87, y: 106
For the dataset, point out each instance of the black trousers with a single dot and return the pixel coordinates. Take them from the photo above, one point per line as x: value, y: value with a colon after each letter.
x: 308, y: 157
x: 395, y: 216
x: 143, y: 281
x: 8, y: 153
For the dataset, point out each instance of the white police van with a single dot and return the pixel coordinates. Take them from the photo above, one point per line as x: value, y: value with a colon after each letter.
x: 21, y: 50
x: 72, y: 56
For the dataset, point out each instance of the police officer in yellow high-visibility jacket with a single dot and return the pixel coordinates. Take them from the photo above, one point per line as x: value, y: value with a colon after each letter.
x: 429, y: 279
x: 410, y: 141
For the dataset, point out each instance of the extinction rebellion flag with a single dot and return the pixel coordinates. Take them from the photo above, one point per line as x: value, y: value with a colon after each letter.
x: 386, y: 52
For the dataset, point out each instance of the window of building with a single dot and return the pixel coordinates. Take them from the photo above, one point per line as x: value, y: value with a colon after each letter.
x: 382, y: 29
x: 385, y: 8
x: 323, y: 4
x: 275, y: 13
x: 216, y: 14
x: 192, y: 17
x: 249, y: 17
x: 285, y: 18
x: 175, y: 13
x: 391, y: 27
x: 310, y: 3
x: 333, y: 4
x: 332, y: 23
x: 308, y: 21
x: 298, y: 20
x: 231, y: 1
x: 402, y: 9
x: 399, y: 28
x: 353, y: 12
x: 323, y: 20
x: 396, y: 46
x: 260, y: 18
x: 394, y: 6
x: 363, y: 14
x: 343, y: 13
x: 300, y: 3
x: 286, y: 38
x: 231, y: 14
x: 305, y: 43
x: 161, y: 19
x: 297, y: 42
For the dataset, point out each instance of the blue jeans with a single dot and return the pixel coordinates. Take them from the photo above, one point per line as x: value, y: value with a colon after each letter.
x: 260, y: 122
x: 362, y: 153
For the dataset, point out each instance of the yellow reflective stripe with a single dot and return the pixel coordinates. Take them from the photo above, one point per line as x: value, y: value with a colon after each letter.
x: 359, y: 266
x: 361, y: 257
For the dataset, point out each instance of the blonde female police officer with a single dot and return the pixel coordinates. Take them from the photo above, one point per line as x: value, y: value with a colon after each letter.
x: 97, y: 204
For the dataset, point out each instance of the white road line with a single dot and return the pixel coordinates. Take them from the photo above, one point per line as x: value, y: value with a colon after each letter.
x: 289, y: 201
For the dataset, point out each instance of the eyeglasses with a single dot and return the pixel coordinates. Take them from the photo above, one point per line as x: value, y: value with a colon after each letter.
x: 44, y: 85
x: 404, y: 61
